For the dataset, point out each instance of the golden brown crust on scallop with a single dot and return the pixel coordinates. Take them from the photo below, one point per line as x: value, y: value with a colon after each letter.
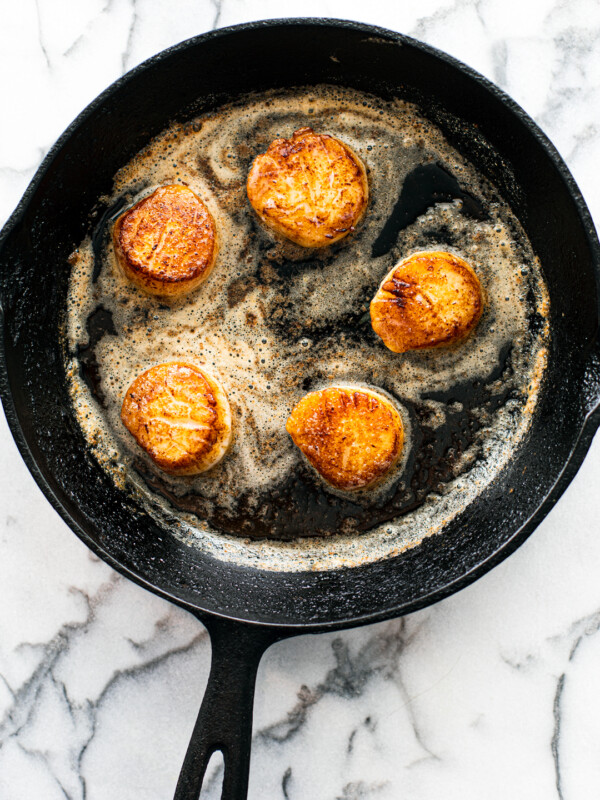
x: 167, y: 243
x: 312, y: 188
x: 352, y: 437
x: 427, y: 300
x: 180, y: 416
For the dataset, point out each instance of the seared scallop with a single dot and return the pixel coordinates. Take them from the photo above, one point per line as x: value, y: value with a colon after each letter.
x: 180, y: 416
x: 311, y: 188
x: 427, y: 300
x: 351, y: 436
x: 167, y: 243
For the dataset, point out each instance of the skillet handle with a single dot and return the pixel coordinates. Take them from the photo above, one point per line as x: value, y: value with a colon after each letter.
x: 225, y: 719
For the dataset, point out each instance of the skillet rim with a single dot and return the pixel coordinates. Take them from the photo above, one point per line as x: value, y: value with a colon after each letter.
x: 590, y: 420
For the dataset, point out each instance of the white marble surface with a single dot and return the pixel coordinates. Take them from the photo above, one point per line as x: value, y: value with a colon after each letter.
x: 493, y: 693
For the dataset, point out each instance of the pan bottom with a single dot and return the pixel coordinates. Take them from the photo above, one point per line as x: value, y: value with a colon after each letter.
x: 274, y: 321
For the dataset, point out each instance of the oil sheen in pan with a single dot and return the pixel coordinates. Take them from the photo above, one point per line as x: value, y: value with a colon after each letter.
x: 274, y: 321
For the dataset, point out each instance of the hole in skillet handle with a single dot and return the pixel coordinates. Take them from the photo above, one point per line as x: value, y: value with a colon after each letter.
x: 225, y: 719
x: 213, y: 776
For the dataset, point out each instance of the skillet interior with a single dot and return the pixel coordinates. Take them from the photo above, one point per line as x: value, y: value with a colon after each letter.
x: 195, y: 77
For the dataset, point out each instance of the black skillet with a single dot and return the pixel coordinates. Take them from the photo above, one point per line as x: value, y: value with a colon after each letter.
x: 246, y: 610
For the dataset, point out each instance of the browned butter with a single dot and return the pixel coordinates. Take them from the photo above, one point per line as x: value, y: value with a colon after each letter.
x: 274, y: 321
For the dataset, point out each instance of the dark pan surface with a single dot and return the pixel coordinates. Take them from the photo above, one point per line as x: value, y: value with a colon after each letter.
x: 310, y: 315
x: 196, y: 76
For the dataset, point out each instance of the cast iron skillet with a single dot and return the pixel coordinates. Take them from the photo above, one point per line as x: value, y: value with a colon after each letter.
x: 246, y: 610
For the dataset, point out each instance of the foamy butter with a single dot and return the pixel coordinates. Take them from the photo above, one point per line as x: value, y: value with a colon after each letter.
x: 274, y: 321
